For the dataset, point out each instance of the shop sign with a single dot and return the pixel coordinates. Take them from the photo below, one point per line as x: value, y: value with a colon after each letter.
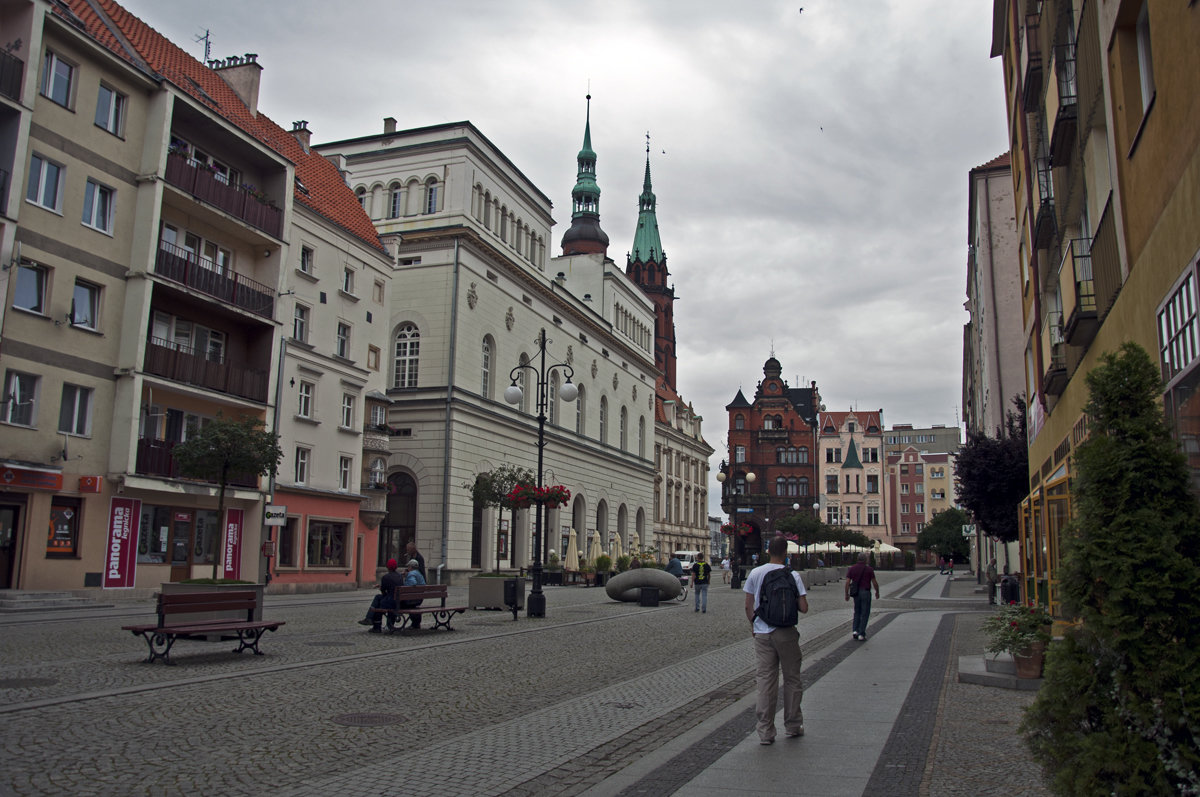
x: 121, y: 551
x: 27, y: 477
x: 275, y: 516
x: 232, y: 549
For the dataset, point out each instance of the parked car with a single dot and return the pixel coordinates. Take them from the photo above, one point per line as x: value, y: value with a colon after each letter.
x: 686, y: 558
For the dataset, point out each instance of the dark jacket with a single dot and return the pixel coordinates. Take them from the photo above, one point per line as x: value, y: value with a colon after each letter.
x: 702, y: 572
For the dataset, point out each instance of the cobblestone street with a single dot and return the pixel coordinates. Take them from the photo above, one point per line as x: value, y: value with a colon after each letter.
x: 547, y: 706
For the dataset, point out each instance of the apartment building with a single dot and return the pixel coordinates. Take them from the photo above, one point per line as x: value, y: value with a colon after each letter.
x: 1104, y: 131
x: 851, y: 461
x: 147, y: 233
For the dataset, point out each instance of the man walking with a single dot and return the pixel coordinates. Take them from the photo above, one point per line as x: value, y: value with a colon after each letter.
x: 775, y: 599
x: 860, y: 579
x: 701, y: 573
x: 993, y: 578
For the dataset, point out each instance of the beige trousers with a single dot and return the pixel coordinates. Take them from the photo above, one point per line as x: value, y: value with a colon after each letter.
x: 775, y: 652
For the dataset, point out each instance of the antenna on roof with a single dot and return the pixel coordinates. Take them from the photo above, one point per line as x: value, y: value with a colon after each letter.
x: 207, y: 39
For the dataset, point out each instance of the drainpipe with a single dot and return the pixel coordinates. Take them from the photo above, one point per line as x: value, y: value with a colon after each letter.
x: 449, y: 404
x: 264, y: 568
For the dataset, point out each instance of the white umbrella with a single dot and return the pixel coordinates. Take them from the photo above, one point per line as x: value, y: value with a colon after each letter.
x: 888, y: 548
x: 572, y: 560
x: 617, y: 553
x: 594, y: 550
x: 634, y: 544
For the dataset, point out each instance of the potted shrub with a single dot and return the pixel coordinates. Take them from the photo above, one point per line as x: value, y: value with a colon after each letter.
x: 553, y: 573
x: 623, y: 563
x: 1022, y: 632
x: 603, y: 566
x: 586, y: 569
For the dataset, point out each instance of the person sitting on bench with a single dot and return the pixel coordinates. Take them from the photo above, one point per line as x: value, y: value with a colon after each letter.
x: 413, y: 578
x: 384, y: 600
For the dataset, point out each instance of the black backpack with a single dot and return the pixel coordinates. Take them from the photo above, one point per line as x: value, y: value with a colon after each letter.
x: 777, y: 599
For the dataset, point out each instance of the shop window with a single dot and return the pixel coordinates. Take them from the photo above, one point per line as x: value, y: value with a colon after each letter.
x: 327, y: 544
x: 64, y: 528
x: 286, y: 554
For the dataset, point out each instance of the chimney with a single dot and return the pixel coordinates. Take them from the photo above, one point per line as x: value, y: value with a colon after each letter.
x: 242, y: 74
x: 389, y: 126
x: 302, y: 133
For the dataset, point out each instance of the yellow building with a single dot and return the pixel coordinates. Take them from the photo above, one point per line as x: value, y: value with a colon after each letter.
x: 1104, y: 122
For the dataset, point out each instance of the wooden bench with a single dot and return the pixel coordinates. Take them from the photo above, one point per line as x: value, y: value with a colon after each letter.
x: 189, y: 615
x: 441, y: 614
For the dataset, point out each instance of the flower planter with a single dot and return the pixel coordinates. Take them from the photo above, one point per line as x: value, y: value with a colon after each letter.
x: 484, y: 592
x: 552, y: 578
x: 1029, y: 661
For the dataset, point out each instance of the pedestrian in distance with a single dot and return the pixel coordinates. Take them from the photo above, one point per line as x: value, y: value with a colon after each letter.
x: 775, y: 599
x: 950, y: 565
x: 413, y: 578
x: 725, y: 570
x: 993, y: 578
x: 384, y: 600
x: 942, y: 565
x: 701, y: 573
x: 860, y: 580
x: 675, y: 567
x: 410, y: 553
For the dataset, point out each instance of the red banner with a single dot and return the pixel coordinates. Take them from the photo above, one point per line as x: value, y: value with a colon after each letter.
x: 232, y: 549
x: 120, y: 556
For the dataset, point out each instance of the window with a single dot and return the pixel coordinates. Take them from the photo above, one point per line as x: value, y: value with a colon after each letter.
x: 622, y: 429
x: 552, y: 400
x: 904, y: 489
x: 833, y: 455
x: 342, y: 347
x: 396, y: 206
x: 307, y: 259
x: 904, y: 509
x: 919, y: 488
x: 300, y: 324
x: 98, y: 207
x: 58, y: 79
x: 408, y: 347
x: 64, y: 527
x: 348, y: 281
x: 641, y: 436
x: 919, y: 507
x: 20, y: 398
x: 378, y: 416
x: 302, y: 455
x: 579, y: 412
x: 75, y: 411
x: 327, y: 544
x: 304, y: 399
x: 1145, y: 59
x: 431, y: 196
x: 739, y: 422
x: 870, y: 455
x: 831, y: 484
x: 872, y: 483
x: 377, y: 292
x: 739, y: 453
x: 85, y: 305
x: 919, y: 469
x: 604, y: 419
x: 485, y: 375
x: 345, y: 468
x: 872, y: 516
x: 378, y: 472
x: 286, y: 555
x: 45, y: 183
x: 904, y: 527
x: 768, y: 422
x: 110, y: 110
x: 347, y: 410
x: 31, y: 288
x: 373, y: 358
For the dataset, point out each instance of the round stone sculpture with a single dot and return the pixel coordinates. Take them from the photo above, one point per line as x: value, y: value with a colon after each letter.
x: 627, y: 586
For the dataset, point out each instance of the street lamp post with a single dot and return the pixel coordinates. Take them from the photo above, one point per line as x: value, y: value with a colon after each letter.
x: 536, y: 603
x: 726, y: 473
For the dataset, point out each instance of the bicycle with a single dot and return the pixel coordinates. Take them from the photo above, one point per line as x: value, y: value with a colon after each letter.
x: 683, y: 583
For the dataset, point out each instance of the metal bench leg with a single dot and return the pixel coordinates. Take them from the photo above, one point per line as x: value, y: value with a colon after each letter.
x: 253, y: 635
x: 160, y: 646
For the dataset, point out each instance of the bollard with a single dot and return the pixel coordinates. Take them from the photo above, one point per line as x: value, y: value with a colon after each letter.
x: 512, y: 598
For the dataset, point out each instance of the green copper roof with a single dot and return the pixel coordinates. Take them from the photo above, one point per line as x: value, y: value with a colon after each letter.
x: 585, y: 196
x: 646, y: 244
x: 852, y: 460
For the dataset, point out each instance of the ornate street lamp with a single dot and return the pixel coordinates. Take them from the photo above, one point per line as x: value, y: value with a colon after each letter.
x: 733, y: 490
x: 536, y: 604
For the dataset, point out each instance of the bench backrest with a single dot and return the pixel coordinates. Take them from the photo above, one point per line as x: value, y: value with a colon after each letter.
x: 426, y: 592
x: 175, y: 604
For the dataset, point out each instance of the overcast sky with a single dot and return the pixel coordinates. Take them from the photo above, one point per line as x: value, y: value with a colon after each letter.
x: 810, y: 166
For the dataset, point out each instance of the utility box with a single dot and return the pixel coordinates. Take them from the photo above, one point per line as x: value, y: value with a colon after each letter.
x: 648, y: 596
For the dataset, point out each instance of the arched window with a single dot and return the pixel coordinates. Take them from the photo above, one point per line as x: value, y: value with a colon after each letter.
x: 621, y: 432
x: 603, y: 419
x: 395, y: 201
x: 803, y: 455
x: 361, y: 194
x: 485, y: 375
x: 378, y: 472
x: 781, y: 486
x: 781, y: 455
x: 408, y: 349
x: 431, y: 195
x: 768, y: 422
x: 739, y: 422
x: 642, y: 436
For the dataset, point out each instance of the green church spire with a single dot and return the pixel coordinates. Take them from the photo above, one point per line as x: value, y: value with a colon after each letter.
x: 647, y: 246
x: 585, y: 235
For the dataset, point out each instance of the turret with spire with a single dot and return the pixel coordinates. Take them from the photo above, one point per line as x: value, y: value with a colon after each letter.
x: 585, y: 236
x: 647, y: 267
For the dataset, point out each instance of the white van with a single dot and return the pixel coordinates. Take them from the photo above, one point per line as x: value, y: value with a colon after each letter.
x: 687, y: 558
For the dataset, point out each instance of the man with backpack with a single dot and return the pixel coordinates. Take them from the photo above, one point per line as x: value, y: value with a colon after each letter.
x: 775, y: 599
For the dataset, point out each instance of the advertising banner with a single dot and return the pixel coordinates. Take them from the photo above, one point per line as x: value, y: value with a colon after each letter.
x: 121, y: 552
x: 231, y: 551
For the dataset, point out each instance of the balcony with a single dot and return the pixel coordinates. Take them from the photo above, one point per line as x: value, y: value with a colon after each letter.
x: 1078, y: 292
x: 180, y: 265
x: 1061, y: 109
x: 1054, y: 354
x: 189, y: 366
x: 12, y: 72
x: 1106, y: 262
x: 1044, y: 224
x: 1031, y: 63
x: 206, y: 186
x: 375, y: 438
x: 154, y: 459
x: 770, y: 435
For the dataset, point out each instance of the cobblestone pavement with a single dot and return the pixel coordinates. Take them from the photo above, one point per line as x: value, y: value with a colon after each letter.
x: 543, y: 706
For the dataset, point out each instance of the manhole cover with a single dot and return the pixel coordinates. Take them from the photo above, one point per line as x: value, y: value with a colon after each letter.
x: 368, y: 720
x: 25, y: 683
x: 328, y: 644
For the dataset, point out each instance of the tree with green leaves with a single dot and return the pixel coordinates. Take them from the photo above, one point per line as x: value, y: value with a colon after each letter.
x: 943, y: 535
x: 1119, y: 711
x: 993, y: 476
x: 227, y: 448
x: 492, y: 487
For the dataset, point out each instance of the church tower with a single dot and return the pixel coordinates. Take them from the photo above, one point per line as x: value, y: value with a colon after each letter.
x: 647, y: 267
x: 585, y: 236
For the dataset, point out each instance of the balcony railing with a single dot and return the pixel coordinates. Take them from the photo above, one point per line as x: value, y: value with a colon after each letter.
x: 207, y: 186
x: 1031, y: 63
x: 1061, y: 108
x: 154, y: 459
x: 1078, y: 292
x: 12, y: 72
x: 180, y: 265
x: 185, y: 364
x: 1106, y: 262
x: 765, y: 435
x: 1044, y: 225
x: 1054, y: 355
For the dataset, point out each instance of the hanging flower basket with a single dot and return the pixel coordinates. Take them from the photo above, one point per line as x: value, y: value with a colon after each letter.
x: 744, y: 529
x: 525, y: 495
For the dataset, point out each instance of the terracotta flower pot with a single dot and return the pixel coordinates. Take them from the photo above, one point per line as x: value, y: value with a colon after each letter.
x: 1029, y: 661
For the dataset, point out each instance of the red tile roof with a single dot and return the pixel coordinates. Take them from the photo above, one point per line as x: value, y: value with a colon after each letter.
x: 327, y: 195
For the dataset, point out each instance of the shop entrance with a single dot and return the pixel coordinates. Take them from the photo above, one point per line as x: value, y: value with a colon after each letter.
x: 181, y: 539
x: 10, y: 518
